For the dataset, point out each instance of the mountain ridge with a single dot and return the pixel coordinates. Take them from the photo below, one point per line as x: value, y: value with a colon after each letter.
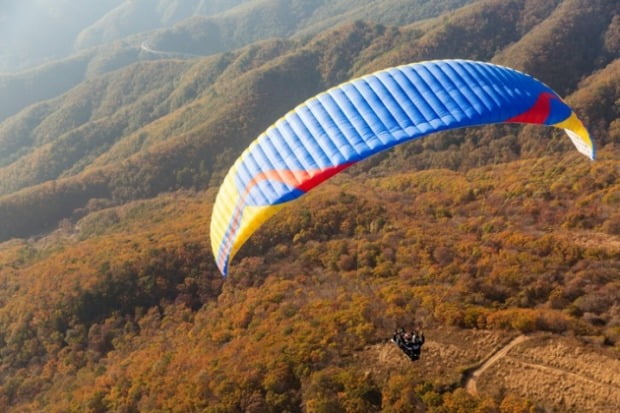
x: 186, y: 115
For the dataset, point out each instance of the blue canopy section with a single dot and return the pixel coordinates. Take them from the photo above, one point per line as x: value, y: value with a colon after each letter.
x: 359, y: 118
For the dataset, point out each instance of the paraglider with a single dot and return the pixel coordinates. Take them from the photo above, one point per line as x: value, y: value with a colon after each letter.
x: 410, y: 343
x: 348, y: 123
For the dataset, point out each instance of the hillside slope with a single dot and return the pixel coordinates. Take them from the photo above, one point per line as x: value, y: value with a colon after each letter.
x: 126, y: 310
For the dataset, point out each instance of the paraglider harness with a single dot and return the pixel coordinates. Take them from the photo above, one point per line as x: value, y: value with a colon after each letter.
x: 409, y: 343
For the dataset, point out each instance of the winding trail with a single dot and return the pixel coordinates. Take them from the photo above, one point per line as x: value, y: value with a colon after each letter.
x: 163, y: 53
x: 470, y: 383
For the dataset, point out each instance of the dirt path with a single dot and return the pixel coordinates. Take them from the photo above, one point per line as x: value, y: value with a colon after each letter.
x: 560, y: 372
x: 163, y: 53
x: 470, y: 383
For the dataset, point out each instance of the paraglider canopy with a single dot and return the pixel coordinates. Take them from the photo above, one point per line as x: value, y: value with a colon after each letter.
x: 357, y: 119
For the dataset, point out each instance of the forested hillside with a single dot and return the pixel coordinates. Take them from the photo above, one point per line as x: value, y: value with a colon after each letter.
x: 130, y: 31
x: 111, y: 299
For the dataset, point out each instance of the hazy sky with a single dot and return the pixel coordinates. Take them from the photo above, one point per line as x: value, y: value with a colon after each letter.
x: 29, y: 32
x: 34, y: 31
